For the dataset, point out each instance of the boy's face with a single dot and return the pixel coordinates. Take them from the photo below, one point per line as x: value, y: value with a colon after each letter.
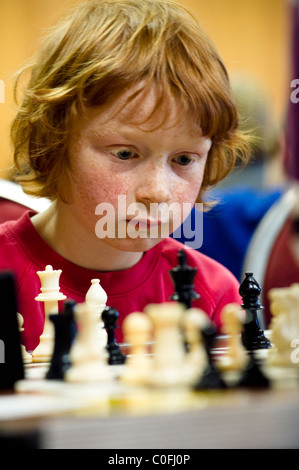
x: 147, y: 178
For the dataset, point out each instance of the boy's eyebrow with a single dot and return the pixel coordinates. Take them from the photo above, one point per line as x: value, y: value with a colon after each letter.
x: 111, y: 132
x: 127, y: 132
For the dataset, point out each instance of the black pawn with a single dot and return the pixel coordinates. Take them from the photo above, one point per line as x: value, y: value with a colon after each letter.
x: 115, y: 356
x: 253, y: 377
x: 211, y: 378
x: 64, y: 331
x: 182, y: 277
x: 252, y: 335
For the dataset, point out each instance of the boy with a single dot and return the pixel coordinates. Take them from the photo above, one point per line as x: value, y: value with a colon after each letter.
x: 129, y: 100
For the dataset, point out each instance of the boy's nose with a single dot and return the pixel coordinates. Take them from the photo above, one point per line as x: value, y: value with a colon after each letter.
x: 153, y: 186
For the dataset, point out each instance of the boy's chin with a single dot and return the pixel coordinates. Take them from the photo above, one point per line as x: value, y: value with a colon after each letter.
x: 135, y: 245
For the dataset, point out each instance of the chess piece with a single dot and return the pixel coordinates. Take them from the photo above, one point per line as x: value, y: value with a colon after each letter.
x: 253, y: 376
x: 50, y: 294
x: 211, y: 378
x: 294, y: 237
x: 137, y: 330
x: 11, y: 360
x: 65, y: 330
x: 110, y: 318
x: 168, y: 348
x: 96, y: 297
x: 182, y: 277
x: 284, y: 324
x: 88, y: 363
x: 252, y: 336
x: 236, y: 356
x: 27, y: 358
x: 194, y: 320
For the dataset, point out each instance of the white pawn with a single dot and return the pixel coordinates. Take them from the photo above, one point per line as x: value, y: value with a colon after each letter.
x: 27, y: 358
x: 50, y: 294
x: 168, y: 348
x: 236, y: 357
x: 194, y: 321
x: 137, y: 330
x: 88, y: 361
x: 96, y: 298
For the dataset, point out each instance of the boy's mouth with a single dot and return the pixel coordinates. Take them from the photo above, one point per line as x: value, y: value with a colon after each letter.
x: 144, y: 223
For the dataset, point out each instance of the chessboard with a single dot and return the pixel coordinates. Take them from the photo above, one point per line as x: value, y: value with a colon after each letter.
x: 115, y: 414
x: 235, y: 389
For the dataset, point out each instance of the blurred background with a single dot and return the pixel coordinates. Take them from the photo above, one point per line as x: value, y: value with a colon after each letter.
x: 252, y: 36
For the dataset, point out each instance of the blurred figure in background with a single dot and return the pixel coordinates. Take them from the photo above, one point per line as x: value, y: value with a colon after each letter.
x: 248, y: 192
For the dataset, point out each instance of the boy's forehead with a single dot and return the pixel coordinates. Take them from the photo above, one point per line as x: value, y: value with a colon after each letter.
x: 139, y: 109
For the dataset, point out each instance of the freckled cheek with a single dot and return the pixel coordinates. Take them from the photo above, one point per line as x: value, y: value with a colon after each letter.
x: 188, y: 192
x: 92, y: 188
x: 185, y: 196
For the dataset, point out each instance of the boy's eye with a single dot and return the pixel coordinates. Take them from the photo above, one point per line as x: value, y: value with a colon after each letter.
x: 124, y: 154
x: 183, y: 160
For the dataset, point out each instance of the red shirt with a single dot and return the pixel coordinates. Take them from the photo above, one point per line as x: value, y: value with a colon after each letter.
x: 24, y: 252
